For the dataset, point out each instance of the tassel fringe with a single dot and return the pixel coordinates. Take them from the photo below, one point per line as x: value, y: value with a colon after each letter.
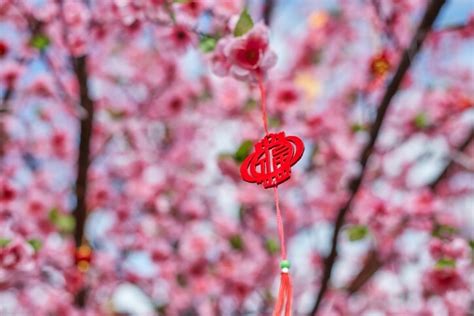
x: 285, y: 294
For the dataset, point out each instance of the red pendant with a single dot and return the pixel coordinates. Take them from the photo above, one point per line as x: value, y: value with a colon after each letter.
x: 270, y: 163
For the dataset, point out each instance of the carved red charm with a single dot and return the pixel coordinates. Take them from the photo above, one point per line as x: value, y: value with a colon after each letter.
x: 270, y: 163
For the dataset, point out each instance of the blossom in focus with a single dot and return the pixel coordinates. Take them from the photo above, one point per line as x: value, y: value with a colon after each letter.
x: 246, y: 57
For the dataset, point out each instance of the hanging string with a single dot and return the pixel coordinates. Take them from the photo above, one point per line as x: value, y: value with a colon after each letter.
x: 285, y: 293
x: 263, y: 102
x: 281, y: 232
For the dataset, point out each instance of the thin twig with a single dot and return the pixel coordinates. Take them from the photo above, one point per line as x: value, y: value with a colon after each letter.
x: 387, y: 24
x: 428, y: 19
x: 451, y: 162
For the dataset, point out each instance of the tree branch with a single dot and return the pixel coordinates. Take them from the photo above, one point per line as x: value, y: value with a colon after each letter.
x: 268, y: 7
x: 80, y: 71
x: 453, y: 28
x: 428, y: 19
x: 451, y: 162
x: 83, y: 162
x: 373, y: 262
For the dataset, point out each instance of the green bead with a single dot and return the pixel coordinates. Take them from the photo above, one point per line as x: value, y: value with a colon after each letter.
x: 285, y: 264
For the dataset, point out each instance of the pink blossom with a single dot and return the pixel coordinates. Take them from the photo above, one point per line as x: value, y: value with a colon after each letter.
x: 456, y: 248
x: 60, y: 145
x: 10, y: 72
x: 3, y: 48
x: 161, y: 251
x: 441, y: 280
x: 15, y: 254
x: 166, y: 208
x: 246, y: 57
x: 219, y: 61
x: 75, y: 13
x: 225, y: 8
x: 42, y: 86
x: 77, y: 42
x: 178, y: 38
x: 193, y: 209
x: 7, y: 192
x: 284, y: 95
x: 228, y: 167
x: 194, y: 8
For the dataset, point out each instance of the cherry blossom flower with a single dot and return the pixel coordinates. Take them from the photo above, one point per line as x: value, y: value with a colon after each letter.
x: 441, y: 280
x: 7, y: 192
x: 15, y: 254
x: 10, y: 72
x: 284, y: 96
x: 178, y: 38
x: 3, y: 48
x: 246, y: 57
x: 165, y: 207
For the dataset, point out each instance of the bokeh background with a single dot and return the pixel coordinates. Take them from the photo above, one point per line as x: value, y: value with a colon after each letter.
x: 121, y: 141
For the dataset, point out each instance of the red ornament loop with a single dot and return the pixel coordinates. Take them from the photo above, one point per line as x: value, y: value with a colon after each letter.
x: 270, y: 163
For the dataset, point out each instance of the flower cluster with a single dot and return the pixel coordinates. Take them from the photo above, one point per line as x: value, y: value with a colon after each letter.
x: 110, y: 104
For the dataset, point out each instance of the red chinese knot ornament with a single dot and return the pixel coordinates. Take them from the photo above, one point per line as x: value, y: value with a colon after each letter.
x: 270, y: 163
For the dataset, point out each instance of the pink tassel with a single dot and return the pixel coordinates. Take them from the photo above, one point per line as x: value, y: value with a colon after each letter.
x: 285, y: 295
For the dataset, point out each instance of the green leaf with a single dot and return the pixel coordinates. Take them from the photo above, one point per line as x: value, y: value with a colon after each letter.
x: 53, y: 215
x: 274, y: 121
x: 223, y: 156
x: 35, y: 243
x: 40, y: 41
x: 271, y: 245
x: 116, y: 114
x: 244, y: 24
x: 357, y: 232
x: 181, y: 1
x: 445, y: 263
x: 357, y: 127
x: 421, y: 120
x: 250, y: 104
x: 4, y: 242
x: 236, y: 242
x: 471, y: 244
x: 443, y: 231
x: 207, y: 43
x: 66, y: 223
x: 243, y: 150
